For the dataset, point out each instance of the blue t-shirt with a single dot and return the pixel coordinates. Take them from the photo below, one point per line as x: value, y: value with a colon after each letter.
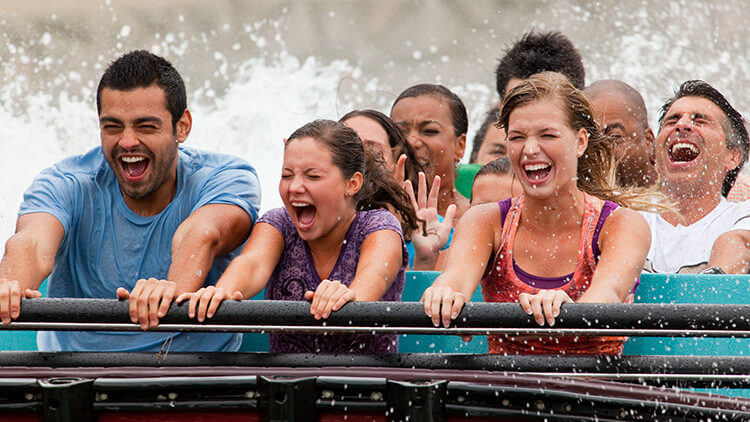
x: 410, y: 245
x: 106, y: 245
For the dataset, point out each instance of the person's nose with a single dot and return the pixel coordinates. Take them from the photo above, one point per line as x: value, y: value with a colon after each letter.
x: 685, y: 123
x: 129, y: 139
x: 531, y: 147
x: 297, y: 185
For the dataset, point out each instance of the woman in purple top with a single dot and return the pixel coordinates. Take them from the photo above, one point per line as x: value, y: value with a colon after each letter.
x: 333, y: 242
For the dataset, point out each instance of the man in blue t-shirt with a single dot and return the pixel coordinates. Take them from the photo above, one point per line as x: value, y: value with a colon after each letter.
x: 136, y: 215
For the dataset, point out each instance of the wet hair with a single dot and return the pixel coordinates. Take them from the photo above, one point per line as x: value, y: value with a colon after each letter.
x: 459, y: 118
x: 379, y: 189
x: 140, y: 69
x: 540, y: 52
x: 499, y: 166
x: 596, y: 167
x: 396, y: 141
x: 736, y: 135
x: 489, y: 120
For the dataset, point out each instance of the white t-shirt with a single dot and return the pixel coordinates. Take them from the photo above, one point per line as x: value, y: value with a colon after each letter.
x: 681, y: 249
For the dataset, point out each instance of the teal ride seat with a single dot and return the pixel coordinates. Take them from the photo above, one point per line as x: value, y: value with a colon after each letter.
x: 415, y: 285
x: 683, y: 288
x: 255, y: 342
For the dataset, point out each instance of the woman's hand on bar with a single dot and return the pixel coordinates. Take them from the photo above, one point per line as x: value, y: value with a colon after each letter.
x: 149, y: 300
x: 442, y: 301
x: 328, y: 297
x: 204, y: 302
x: 544, y: 305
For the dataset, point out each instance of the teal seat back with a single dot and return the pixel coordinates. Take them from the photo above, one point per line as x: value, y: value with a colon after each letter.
x: 416, y: 283
x: 255, y: 342
x: 673, y: 288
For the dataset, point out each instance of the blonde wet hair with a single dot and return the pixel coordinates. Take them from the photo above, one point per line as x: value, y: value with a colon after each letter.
x: 596, y: 167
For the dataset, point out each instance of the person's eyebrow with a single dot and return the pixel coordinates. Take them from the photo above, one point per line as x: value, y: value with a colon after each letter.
x: 702, y: 116
x: 613, y: 126
x: 148, y: 119
x: 670, y: 116
x: 107, y: 119
x: 427, y: 122
x: 549, y: 129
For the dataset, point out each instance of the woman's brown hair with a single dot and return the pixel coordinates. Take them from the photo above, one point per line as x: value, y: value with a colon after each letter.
x: 596, y: 167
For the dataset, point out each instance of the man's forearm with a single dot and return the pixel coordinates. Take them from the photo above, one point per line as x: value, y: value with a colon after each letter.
x: 24, y: 263
x: 192, y: 258
x: 731, y: 252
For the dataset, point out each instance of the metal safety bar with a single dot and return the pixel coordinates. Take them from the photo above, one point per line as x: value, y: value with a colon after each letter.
x: 660, y: 320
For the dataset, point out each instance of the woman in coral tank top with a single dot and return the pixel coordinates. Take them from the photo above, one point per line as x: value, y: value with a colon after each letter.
x: 567, y: 238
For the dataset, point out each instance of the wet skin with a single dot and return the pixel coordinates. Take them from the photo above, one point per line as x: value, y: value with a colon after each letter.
x: 492, y: 188
x: 494, y: 145
x: 692, y: 157
x: 634, y: 150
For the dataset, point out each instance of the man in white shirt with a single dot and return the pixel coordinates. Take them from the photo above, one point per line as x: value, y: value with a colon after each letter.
x: 701, y: 146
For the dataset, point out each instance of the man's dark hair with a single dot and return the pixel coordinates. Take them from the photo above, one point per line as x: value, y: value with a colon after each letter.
x: 539, y: 52
x: 139, y: 69
x: 736, y: 137
x: 489, y: 119
x: 499, y: 166
x: 459, y: 117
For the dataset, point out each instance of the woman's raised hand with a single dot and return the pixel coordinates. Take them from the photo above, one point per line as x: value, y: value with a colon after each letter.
x: 427, y: 247
x: 205, y: 301
x: 442, y: 301
x: 329, y: 296
x: 544, y: 305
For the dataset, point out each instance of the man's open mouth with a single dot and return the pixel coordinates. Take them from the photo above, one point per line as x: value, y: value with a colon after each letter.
x: 134, y: 166
x: 683, y: 152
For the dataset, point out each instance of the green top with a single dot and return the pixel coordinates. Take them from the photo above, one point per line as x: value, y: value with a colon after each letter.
x: 465, y: 174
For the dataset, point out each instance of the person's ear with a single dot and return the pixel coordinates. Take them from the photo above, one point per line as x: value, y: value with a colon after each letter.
x: 582, y: 141
x: 183, y: 126
x: 651, y: 144
x: 732, y: 158
x: 460, y: 148
x: 354, y: 184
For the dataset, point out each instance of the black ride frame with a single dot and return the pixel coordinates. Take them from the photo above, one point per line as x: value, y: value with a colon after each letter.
x: 417, y: 387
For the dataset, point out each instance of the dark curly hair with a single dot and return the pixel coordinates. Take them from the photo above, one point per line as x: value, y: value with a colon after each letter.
x: 539, y: 52
x: 139, y: 69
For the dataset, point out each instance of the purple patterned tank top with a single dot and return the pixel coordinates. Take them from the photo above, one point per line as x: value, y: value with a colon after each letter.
x: 295, y: 274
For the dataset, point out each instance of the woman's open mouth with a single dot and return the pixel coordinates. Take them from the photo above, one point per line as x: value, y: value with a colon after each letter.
x: 305, y: 214
x: 537, y: 173
x: 134, y: 167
